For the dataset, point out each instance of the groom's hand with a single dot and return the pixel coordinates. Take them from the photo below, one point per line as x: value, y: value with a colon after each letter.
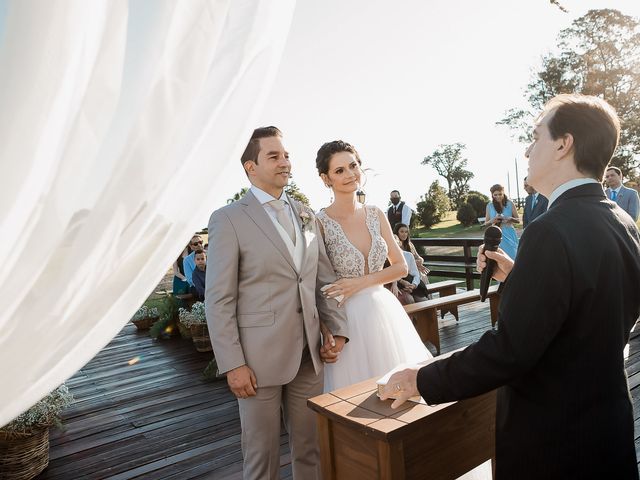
x: 329, y: 352
x: 242, y: 382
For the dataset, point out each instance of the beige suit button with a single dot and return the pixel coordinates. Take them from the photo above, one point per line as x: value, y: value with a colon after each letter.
x: 299, y: 310
x: 300, y: 280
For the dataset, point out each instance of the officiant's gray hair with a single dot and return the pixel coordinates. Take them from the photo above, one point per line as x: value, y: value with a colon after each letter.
x: 253, y: 147
x: 331, y: 148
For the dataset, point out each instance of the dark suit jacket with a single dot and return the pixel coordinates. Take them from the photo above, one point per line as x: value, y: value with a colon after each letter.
x: 563, y: 407
x: 539, y: 208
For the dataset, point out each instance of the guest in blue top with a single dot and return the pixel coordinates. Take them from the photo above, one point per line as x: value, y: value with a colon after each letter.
x: 502, y: 213
x: 180, y: 283
x: 199, y: 274
x: 189, y: 261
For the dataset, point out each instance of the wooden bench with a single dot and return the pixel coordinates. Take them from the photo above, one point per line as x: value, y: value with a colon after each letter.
x: 425, y: 314
x: 444, y: 288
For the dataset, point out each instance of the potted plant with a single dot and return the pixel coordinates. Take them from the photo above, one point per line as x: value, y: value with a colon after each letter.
x: 183, y: 322
x: 24, y: 442
x: 145, y: 317
x: 197, y: 323
x: 166, y: 327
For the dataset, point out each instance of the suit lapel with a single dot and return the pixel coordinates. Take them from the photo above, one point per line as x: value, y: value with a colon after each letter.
x: 261, y: 218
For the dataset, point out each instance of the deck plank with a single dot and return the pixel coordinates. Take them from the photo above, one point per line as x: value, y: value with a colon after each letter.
x: 160, y: 419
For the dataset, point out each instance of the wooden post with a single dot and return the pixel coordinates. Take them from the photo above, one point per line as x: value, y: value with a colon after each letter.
x: 426, y: 322
x: 467, y: 260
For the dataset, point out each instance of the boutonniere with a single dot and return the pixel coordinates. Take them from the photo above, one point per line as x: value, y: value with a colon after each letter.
x: 305, y: 218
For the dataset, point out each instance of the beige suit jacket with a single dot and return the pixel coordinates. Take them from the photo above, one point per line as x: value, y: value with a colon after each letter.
x: 257, y: 303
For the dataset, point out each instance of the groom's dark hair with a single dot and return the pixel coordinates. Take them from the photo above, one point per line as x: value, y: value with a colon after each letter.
x: 253, y: 148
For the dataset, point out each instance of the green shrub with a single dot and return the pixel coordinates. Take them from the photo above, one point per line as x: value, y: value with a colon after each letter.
x: 479, y: 203
x: 466, y: 215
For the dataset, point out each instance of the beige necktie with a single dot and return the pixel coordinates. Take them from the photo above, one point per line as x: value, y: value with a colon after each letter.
x: 284, y: 219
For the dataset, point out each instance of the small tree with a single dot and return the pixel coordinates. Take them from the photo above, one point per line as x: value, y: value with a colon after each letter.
x: 291, y: 190
x: 238, y: 195
x: 466, y: 214
x: 294, y: 192
x: 432, y: 206
x: 448, y: 162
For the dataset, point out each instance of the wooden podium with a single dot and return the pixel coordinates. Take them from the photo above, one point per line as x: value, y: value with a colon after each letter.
x: 361, y: 437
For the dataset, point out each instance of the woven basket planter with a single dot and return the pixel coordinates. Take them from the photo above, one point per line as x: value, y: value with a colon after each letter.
x: 24, y: 456
x: 145, y: 323
x: 200, y: 336
x: 185, y: 332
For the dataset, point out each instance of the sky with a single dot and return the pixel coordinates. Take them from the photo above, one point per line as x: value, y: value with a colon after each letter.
x: 397, y: 81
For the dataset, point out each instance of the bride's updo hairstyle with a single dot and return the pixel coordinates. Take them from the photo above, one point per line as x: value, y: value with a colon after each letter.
x: 329, y: 149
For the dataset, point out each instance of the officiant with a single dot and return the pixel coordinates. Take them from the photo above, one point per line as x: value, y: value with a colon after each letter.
x: 567, y: 307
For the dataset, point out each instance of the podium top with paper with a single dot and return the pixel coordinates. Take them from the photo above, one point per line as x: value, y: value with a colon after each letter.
x: 362, y: 437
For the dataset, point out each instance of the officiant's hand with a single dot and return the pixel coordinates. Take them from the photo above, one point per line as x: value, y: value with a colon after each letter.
x: 345, y: 287
x: 242, y: 382
x: 402, y: 386
x: 504, y: 263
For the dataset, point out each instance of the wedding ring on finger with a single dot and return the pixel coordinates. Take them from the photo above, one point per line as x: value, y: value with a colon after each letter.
x: 397, y: 387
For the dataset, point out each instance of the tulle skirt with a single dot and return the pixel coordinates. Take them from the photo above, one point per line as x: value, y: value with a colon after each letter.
x: 381, y: 336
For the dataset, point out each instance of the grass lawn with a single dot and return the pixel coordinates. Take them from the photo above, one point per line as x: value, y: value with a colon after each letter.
x: 451, y: 228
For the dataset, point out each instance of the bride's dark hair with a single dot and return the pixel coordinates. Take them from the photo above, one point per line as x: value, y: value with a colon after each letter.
x: 331, y: 148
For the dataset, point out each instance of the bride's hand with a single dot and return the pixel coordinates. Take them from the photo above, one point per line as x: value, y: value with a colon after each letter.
x: 345, y: 287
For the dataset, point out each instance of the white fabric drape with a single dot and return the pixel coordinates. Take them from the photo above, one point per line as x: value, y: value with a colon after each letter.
x: 116, y: 119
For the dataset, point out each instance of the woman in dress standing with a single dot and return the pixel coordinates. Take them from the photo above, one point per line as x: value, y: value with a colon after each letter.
x: 358, y: 239
x: 502, y: 212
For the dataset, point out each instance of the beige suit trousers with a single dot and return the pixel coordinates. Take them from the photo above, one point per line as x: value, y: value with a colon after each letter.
x: 260, y: 419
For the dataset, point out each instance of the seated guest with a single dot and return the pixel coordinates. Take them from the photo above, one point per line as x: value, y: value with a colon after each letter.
x: 199, y: 274
x: 189, y: 261
x: 411, y: 284
x: 403, y: 233
x: 180, y: 283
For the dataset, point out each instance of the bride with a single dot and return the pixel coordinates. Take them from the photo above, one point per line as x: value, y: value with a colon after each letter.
x: 358, y: 240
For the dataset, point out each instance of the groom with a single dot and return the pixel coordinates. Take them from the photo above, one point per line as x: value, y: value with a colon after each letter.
x: 263, y: 304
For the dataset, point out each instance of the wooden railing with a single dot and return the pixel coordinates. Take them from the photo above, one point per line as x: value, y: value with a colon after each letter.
x: 443, y: 265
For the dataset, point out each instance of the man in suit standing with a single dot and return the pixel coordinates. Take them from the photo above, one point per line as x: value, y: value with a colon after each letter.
x: 398, y: 212
x: 567, y: 307
x: 266, y: 265
x: 534, y: 205
x: 627, y: 198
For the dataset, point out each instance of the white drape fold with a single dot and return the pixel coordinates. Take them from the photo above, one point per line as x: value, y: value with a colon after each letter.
x: 116, y: 121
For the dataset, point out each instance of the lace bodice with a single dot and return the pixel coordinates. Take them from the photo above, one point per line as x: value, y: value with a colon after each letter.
x: 346, y: 259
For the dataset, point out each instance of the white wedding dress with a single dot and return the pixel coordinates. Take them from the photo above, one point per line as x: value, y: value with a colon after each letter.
x: 381, y: 335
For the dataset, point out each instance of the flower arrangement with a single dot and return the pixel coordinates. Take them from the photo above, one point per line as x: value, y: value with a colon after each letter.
x: 194, y: 317
x: 146, y: 312
x: 145, y: 317
x: 43, y: 414
x: 24, y: 442
x: 196, y: 320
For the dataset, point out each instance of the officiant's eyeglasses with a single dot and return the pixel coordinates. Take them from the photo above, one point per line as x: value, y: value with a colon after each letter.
x: 197, y: 243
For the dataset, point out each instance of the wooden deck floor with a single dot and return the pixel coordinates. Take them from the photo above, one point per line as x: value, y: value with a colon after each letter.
x: 159, y: 418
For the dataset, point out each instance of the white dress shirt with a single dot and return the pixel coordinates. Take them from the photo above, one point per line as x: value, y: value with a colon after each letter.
x: 576, y: 182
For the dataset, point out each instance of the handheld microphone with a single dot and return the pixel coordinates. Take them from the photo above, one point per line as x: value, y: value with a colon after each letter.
x: 492, y: 238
